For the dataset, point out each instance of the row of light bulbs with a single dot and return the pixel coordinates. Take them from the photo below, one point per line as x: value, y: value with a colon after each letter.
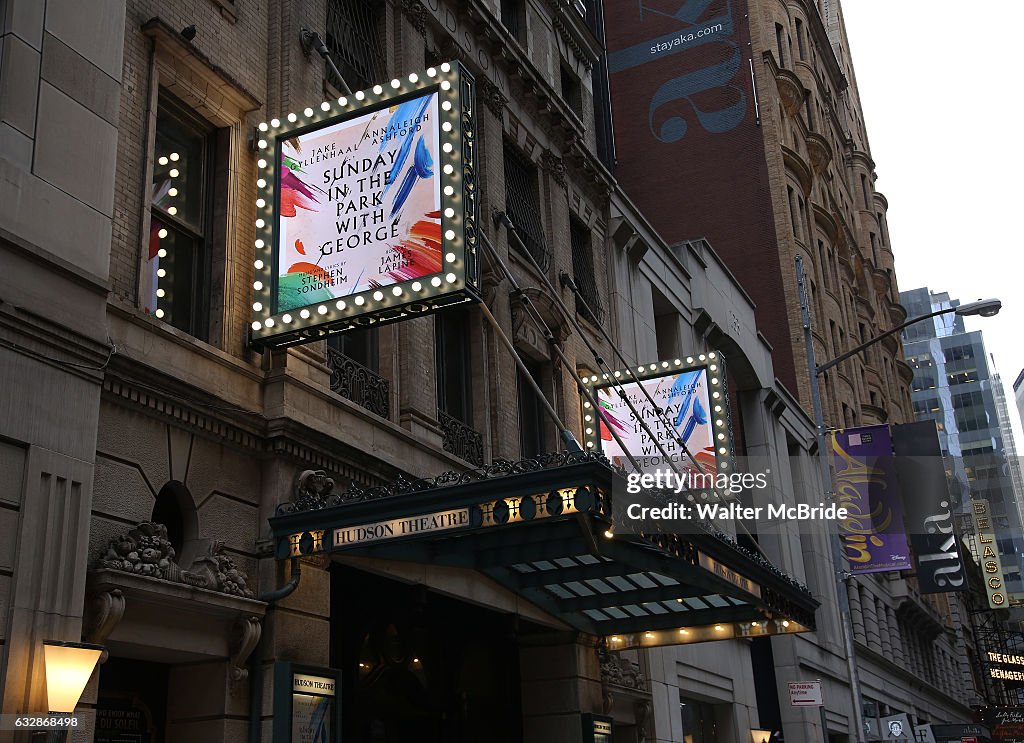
x: 308, y: 116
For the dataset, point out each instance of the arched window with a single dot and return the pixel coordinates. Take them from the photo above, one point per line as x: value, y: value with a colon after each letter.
x: 175, y: 509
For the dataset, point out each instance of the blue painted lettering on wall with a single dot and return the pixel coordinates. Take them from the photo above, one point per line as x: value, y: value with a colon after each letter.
x: 694, y: 32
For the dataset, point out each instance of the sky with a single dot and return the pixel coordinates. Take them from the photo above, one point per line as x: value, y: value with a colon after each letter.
x: 941, y: 94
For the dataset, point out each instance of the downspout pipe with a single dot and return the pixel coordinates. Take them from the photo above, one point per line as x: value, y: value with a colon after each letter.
x: 256, y: 659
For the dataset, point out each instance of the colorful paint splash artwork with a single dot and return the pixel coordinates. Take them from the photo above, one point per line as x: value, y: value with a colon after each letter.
x: 359, y: 205
x: 684, y: 397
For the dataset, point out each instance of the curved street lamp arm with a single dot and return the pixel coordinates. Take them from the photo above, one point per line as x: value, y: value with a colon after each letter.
x: 853, y: 352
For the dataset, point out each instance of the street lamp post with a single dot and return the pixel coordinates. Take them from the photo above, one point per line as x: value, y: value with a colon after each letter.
x: 984, y: 308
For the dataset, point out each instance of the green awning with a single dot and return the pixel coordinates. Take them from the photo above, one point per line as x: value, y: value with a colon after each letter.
x: 538, y: 527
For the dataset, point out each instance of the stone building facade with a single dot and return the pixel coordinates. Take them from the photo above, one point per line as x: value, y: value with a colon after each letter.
x: 146, y: 444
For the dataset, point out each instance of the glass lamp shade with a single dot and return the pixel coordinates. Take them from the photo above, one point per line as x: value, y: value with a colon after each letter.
x: 69, y: 665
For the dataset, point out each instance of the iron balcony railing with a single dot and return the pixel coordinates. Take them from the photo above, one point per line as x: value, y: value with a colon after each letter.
x: 461, y: 440
x: 362, y: 386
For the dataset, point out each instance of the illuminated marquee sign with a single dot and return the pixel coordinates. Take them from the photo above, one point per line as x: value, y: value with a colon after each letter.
x: 1005, y: 659
x: 367, y: 209
x: 692, y: 394
x: 988, y: 553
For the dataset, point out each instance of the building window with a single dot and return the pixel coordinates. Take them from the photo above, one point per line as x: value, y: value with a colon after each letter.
x: 355, y: 31
x: 874, y: 248
x: 531, y: 413
x: 453, y: 365
x: 513, y: 18
x: 780, y: 36
x: 800, y: 38
x: 792, y: 209
x: 572, y: 91
x: 359, y: 345
x: 864, y: 190
x: 698, y: 721
x: 181, y: 230
x: 522, y: 203
x: 583, y: 274
x: 808, y: 110
x: 666, y: 326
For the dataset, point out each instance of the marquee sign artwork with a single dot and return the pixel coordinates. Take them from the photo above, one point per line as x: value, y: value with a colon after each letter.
x: 692, y: 393
x: 988, y: 553
x: 367, y: 209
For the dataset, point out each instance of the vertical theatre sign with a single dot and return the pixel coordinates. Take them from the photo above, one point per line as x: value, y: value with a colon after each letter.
x: 866, y: 485
x: 691, y: 393
x: 988, y: 553
x: 927, y: 510
x: 367, y: 209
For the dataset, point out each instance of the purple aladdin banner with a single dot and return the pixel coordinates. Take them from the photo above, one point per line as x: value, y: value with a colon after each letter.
x: 872, y: 533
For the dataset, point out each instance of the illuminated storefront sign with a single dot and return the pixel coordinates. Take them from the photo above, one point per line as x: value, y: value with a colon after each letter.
x: 367, y: 209
x: 988, y: 554
x: 692, y: 394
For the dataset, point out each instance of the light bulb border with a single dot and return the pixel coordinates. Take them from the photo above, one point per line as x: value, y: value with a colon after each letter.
x: 459, y: 231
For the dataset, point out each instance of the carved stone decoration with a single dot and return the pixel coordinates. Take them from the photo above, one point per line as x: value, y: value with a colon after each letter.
x: 312, y: 486
x: 641, y: 714
x: 218, y: 572
x: 433, y: 56
x: 622, y: 672
x: 554, y: 165
x: 492, y: 97
x: 106, y: 609
x: 245, y: 634
x: 416, y: 15
x: 146, y: 550
x: 526, y: 328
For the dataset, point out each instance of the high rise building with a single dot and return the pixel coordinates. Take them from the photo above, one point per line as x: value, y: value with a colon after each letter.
x: 956, y: 386
x: 1013, y: 463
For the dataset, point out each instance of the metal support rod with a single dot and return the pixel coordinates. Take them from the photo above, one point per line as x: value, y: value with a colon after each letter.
x: 311, y: 42
x: 838, y: 558
x: 570, y: 441
x: 549, y: 336
x: 510, y: 227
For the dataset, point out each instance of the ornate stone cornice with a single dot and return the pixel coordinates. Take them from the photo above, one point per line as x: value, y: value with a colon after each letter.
x: 416, y: 14
x: 554, y: 165
x: 492, y: 97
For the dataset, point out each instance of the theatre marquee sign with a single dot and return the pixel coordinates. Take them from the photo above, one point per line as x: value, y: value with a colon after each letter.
x: 367, y: 209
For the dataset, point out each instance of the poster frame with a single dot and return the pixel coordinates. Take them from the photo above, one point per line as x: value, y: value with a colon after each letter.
x: 456, y: 183
x: 711, y: 362
x: 284, y: 673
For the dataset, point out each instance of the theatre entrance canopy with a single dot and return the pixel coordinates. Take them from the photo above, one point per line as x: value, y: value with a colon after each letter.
x: 539, y: 527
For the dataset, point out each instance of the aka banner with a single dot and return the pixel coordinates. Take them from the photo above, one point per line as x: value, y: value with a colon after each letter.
x: 929, y: 512
x: 866, y: 486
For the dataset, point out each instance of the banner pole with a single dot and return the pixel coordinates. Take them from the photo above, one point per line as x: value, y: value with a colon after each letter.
x: 838, y: 559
